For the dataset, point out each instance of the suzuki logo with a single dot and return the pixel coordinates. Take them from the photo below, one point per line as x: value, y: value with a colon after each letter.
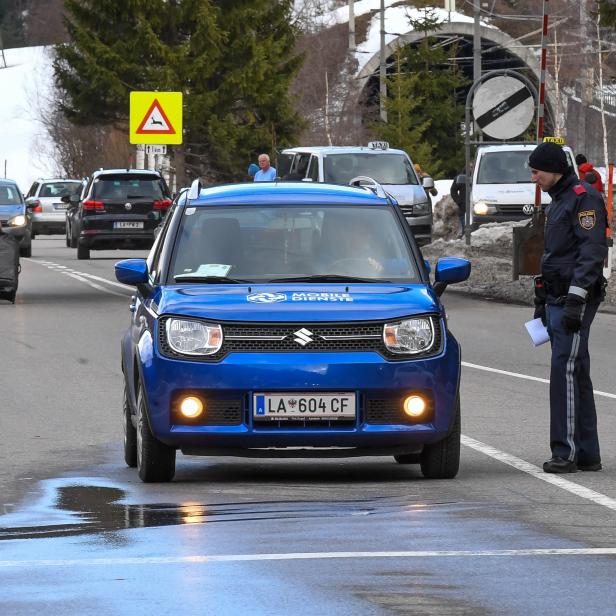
x: 128, y: 206
x: 303, y: 336
x: 528, y: 209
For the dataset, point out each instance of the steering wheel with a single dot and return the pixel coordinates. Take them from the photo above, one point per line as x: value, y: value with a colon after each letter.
x: 374, y: 265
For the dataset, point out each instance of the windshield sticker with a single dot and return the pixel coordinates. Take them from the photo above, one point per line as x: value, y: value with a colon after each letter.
x: 266, y: 298
x: 213, y: 269
x: 189, y: 211
x: 321, y: 297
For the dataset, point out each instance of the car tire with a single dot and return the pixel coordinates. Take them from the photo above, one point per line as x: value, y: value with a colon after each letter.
x: 25, y: 251
x: 67, y: 238
x: 407, y: 458
x: 155, y: 460
x: 130, y: 433
x: 441, y: 460
x: 83, y: 251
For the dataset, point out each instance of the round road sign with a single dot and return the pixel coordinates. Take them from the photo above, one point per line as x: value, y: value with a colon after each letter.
x: 503, y: 107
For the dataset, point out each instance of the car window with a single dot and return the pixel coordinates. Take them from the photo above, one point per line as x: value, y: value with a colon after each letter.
x: 393, y: 168
x: 59, y: 189
x: 285, y: 160
x: 301, y: 165
x: 32, y: 190
x: 504, y: 168
x: 313, y: 169
x: 128, y: 187
x: 292, y: 241
x: 9, y: 195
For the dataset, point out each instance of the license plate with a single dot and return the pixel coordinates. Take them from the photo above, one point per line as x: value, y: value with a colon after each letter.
x: 304, y: 406
x: 128, y: 225
x: 59, y: 206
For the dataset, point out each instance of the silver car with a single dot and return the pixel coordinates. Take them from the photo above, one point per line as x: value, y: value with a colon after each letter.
x: 45, y: 201
x: 391, y: 168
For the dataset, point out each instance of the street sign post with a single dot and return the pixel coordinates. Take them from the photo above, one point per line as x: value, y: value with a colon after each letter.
x: 156, y: 117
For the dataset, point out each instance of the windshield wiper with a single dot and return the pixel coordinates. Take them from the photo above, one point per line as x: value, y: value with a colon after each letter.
x: 327, y: 278
x: 209, y: 279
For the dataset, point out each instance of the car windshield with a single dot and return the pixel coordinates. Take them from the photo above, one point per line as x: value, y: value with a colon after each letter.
x: 128, y: 187
x: 59, y: 189
x: 265, y: 244
x: 9, y: 195
x: 384, y: 168
x: 504, y: 168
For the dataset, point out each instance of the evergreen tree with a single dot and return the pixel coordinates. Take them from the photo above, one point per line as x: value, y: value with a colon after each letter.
x: 232, y: 59
x: 431, y: 84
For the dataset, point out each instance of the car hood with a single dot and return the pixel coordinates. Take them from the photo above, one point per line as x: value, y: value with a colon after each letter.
x: 8, y: 211
x: 296, y: 302
x: 406, y: 194
x: 507, y: 194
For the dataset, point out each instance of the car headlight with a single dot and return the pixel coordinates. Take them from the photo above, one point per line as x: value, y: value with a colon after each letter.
x: 410, y: 336
x: 17, y: 221
x: 193, y: 337
x: 482, y: 208
x: 421, y: 208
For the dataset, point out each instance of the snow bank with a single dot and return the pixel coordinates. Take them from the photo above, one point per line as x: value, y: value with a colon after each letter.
x: 25, y: 84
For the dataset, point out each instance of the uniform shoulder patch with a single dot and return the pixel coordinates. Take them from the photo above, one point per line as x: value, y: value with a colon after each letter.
x: 587, y: 219
x: 578, y: 189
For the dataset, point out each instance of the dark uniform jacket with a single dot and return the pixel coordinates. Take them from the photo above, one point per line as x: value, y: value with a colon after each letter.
x: 575, y: 238
x: 458, y: 193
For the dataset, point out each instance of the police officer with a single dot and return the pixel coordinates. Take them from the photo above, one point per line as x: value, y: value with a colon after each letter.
x: 568, y: 294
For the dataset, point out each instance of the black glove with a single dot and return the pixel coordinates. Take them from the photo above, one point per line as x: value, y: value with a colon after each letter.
x: 572, y: 314
x: 540, y: 310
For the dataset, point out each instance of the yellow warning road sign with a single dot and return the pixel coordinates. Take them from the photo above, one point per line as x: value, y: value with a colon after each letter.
x: 156, y: 117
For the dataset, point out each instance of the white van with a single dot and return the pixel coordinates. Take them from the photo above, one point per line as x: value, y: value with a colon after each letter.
x: 501, y: 188
x: 391, y: 168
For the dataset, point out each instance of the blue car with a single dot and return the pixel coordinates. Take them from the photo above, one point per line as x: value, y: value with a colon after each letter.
x: 293, y: 320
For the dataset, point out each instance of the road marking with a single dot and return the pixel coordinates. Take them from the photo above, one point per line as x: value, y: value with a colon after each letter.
x: 538, y: 473
x: 527, y: 377
x: 222, y: 558
x: 85, y: 277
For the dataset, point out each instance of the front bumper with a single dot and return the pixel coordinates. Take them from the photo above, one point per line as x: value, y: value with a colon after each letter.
x: 421, y: 226
x: 375, y: 381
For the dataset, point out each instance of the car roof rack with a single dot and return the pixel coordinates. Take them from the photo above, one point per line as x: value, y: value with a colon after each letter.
x: 195, y: 189
x: 368, y: 183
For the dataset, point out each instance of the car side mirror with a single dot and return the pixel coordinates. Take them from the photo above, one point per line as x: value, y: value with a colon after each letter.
x: 427, y: 182
x: 460, y: 179
x: 590, y: 177
x: 450, y: 270
x: 72, y: 200
x: 65, y: 198
x: 132, y: 271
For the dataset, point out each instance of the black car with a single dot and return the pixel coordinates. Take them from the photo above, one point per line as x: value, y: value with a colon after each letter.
x: 16, y: 216
x: 117, y: 208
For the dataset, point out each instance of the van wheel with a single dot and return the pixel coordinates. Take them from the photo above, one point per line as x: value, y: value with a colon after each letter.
x: 130, y: 433
x: 441, y: 460
x: 155, y: 460
x: 83, y: 251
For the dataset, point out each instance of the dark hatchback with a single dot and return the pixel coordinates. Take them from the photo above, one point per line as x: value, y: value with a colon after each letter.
x: 118, y: 208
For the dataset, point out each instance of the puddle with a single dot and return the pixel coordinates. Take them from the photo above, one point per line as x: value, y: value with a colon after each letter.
x: 70, y: 510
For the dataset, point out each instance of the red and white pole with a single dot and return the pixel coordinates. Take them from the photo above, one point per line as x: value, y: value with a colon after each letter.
x: 541, y: 105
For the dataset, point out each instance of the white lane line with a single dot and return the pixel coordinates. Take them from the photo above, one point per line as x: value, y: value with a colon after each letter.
x: 222, y: 558
x: 85, y: 277
x: 537, y: 473
x: 527, y: 377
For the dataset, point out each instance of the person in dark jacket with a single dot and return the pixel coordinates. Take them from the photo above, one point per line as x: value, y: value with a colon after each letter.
x: 568, y: 294
x: 458, y: 194
x: 585, y: 168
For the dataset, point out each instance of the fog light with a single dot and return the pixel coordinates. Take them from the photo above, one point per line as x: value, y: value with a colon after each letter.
x: 191, y: 407
x: 414, y: 406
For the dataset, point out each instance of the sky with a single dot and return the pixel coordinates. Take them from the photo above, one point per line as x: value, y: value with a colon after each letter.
x: 25, y: 85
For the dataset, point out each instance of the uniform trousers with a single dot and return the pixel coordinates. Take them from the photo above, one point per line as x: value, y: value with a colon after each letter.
x: 573, y: 417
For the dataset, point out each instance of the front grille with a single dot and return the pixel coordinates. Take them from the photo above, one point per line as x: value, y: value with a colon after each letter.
x: 407, y: 210
x: 511, y: 208
x: 390, y: 411
x: 303, y: 337
x: 304, y: 424
x: 421, y: 229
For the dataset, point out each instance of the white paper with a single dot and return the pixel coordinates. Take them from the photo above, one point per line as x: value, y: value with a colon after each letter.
x: 537, y: 331
x: 213, y: 269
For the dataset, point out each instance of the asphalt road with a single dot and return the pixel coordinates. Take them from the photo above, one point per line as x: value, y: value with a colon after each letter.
x: 81, y: 534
